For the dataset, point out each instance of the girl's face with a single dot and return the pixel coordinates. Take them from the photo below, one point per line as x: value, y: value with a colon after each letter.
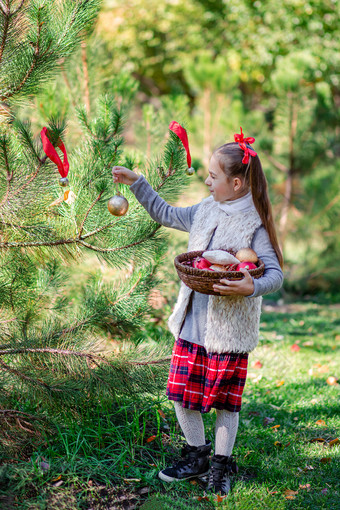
x: 222, y: 187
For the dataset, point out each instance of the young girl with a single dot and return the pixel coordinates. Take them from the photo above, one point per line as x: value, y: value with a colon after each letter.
x: 214, y: 334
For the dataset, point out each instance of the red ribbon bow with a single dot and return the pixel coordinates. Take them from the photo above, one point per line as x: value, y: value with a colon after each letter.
x: 242, y: 143
x: 182, y: 135
x: 63, y: 166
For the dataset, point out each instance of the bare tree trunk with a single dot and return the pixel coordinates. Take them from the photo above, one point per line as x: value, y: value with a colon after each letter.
x: 86, y: 76
x: 289, y: 179
x: 207, y: 128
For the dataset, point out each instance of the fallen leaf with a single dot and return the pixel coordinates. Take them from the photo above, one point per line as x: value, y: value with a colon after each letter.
x: 277, y: 443
x: 160, y: 412
x: 44, y: 466
x: 320, y: 422
x: 272, y: 492
x: 193, y: 482
x: 332, y: 380
x: 267, y: 419
x: 220, y: 498
x: 130, y: 480
x: 58, y: 484
x: 295, y: 347
x: 248, y: 452
x: 318, y: 439
x: 309, y: 343
x: 334, y: 442
x: 275, y: 426
x: 324, y: 491
x: 323, y: 369
x: 317, y: 365
x: 287, y: 444
x: 306, y: 486
x: 268, y: 392
x: 56, y: 479
x: 326, y: 460
x: 289, y: 494
x: 149, y: 439
x: 279, y: 383
x: 257, y: 364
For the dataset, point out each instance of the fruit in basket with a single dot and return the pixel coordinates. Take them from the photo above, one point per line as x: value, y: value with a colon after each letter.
x: 201, y: 263
x: 220, y: 257
x: 246, y: 265
x: 218, y: 267
x: 247, y: 255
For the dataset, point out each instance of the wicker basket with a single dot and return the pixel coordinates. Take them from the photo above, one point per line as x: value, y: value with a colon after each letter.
x: 202, y: 280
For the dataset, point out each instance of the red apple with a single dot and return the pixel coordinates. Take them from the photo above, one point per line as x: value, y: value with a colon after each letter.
x: 201, y: 263
x: 246, y: 265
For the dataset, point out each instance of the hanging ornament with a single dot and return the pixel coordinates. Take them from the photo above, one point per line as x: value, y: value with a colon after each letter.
x: 63, y: 181
x: 118, y: 205
x: 51, y: 153
x: 182, y: 135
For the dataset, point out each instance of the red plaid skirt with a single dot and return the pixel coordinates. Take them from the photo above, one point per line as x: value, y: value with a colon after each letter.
x: 202, y: 380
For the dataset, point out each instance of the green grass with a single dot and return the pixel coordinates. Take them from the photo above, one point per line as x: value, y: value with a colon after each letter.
x: 107, y: 459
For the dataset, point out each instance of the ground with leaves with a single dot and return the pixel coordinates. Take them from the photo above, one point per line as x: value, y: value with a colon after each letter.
x: 287, y: 447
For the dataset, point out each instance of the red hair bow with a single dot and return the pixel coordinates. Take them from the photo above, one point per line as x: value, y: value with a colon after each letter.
x: 242, y: 143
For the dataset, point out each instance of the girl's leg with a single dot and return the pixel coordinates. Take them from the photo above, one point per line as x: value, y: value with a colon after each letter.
x: 222, y: 464
x: 195, y: 455
x: 191, y: 424
x: 225, y: 432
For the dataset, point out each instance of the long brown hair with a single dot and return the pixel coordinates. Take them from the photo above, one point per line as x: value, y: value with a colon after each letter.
x: 229, y: 157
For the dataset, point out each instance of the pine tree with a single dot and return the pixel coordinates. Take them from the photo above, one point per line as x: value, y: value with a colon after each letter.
x: 50, y: 367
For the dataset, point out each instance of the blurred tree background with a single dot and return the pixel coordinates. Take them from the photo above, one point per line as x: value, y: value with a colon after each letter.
x: 272, y: 67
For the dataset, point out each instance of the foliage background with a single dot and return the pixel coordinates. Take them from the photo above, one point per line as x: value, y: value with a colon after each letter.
x: 271, y: 67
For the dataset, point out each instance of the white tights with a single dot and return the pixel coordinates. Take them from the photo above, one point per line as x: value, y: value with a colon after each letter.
x: 191, y: 423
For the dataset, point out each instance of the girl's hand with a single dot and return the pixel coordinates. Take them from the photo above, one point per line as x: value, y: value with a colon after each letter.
x: 244, y: 287
x: 123, y: 175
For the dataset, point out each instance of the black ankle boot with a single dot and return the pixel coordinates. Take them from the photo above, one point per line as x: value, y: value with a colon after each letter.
x: 221, y: 468
x: 195, y: 463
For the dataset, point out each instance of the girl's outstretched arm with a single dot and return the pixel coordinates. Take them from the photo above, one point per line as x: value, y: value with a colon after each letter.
x: 160, y: 211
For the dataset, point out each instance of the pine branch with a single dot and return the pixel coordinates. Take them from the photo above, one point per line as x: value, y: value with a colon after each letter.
x: 18, y: 8
x: 8, y: 170
x: 24, y: 377
x: 77, y: 240
x: 12, y: 413
x: 35, y: 58
x: 88, y: 212
x: 6, y: 14
x: 66, y: 352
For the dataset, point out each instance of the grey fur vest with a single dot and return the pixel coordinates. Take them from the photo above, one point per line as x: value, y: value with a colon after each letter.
x: 232, y: 321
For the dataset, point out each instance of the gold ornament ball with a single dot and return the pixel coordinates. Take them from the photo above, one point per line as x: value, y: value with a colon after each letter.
x: 118, y: 205
x: 63, y: 181
x: 190, y: 171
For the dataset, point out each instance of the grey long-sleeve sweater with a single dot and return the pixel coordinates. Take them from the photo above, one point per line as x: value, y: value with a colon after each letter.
x: 181, y: 218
